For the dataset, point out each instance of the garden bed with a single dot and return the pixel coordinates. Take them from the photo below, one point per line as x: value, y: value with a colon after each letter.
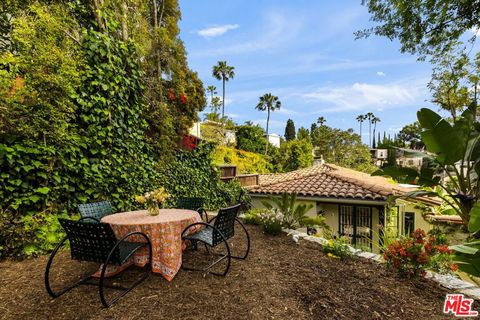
x: 279, y: 280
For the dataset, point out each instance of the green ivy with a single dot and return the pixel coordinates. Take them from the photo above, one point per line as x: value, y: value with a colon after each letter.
x: 192, y: 174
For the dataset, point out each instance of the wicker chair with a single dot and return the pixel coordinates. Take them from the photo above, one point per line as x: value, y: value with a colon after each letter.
x: 96, y: 210
x: 93, y: 241
x: 193, y: 203
x: 213, y: 234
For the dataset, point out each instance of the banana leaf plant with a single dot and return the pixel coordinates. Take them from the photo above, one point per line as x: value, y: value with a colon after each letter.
x: 453, y: 151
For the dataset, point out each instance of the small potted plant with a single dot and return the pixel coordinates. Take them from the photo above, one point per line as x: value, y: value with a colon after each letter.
x: 153, y: 200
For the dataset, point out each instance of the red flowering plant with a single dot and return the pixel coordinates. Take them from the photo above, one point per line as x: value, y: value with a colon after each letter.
x: 411, y: 256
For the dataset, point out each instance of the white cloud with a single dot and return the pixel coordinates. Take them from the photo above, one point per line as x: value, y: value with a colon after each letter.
x: 278, y: 29
x: 363, y: 95
x: 381, y: 74
x: 216, y: 30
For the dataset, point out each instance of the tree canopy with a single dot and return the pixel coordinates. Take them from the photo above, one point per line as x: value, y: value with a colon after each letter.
x: 424, y: 26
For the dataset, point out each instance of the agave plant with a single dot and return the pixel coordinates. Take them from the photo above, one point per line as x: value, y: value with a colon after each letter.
x: 294, y: 214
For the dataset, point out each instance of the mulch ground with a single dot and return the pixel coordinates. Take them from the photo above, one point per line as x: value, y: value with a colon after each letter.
x: 279, y: 280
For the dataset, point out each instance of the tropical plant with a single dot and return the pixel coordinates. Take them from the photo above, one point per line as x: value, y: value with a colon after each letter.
x: 294, y: 214
x: 375, y: 120
x: 321, y: 121
x: 369, y: 116
x: 361, y: 118
x: 269, y: 103
x: 454, y: 150
x: 223, y: 72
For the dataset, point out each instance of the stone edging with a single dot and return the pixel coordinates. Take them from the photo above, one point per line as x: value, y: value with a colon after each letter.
x: 447, y: 281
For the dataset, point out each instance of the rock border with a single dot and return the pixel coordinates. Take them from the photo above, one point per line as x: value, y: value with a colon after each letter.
x: 447, y: 281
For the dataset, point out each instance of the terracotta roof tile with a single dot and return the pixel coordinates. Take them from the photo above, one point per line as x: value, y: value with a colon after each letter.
x: 328, y: 181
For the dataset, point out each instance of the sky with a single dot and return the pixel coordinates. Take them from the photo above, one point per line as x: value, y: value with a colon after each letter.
x: 305, y: 53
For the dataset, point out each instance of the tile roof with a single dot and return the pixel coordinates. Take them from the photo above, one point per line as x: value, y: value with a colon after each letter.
x: 328, y: 181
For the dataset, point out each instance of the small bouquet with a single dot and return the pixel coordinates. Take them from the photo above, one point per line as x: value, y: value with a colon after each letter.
x: 153, y: 200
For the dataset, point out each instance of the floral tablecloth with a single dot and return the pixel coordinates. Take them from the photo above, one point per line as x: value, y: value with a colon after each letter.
x: 164, y: 231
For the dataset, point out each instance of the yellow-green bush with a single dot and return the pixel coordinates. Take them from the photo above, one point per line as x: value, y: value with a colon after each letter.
x: 246, y: 162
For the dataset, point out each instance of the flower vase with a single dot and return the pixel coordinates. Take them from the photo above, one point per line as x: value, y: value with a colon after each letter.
x: 154, y: 210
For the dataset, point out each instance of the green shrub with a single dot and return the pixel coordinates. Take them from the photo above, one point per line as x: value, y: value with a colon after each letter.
x: 272, y: 220
x: 191, y: 174
x: 338, y: 248
x: 246, y: 162
x: 252, y: 216
x: 13, y: 235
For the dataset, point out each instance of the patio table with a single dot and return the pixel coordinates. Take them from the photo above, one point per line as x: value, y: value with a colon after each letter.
x: 164, y: 231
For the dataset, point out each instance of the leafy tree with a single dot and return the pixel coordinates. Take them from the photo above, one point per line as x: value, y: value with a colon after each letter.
x: 411, y: 133
x: 303, y: 134
x: 290, y: 130
x: 251, y: 138
x: 296, y: 154
x: 343, y: 148
x: 313, y: 130
x: 425, y: 26
x: 223, y: 72
x: 455, y: 80
x: 269, y: 103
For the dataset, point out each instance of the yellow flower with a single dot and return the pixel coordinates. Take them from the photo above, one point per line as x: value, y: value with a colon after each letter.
x: 140, y: 199
x: 330, y: 243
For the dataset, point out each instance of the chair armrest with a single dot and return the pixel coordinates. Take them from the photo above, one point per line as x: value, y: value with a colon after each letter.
x: 91, y: 218
x: 202, y: 212
x: 207, y: 225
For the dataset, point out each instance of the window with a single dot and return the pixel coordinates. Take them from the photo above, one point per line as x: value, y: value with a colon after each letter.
x: 408, y: 223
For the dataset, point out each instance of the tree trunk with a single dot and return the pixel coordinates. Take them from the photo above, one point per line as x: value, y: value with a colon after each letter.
x: 124, y: 9
x: 268, y: 120
x: 370, y: 133
x: 223, y: 99
x: 96, y: 6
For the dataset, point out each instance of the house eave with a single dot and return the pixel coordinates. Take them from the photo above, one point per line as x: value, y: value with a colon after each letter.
x: 327, y: 199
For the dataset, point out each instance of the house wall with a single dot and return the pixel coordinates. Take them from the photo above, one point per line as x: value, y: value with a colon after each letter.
x: 331, y: 213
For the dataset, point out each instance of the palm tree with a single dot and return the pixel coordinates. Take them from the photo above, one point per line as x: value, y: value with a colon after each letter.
x: 369, y: 116
x: 212, y: 90
x: 321, y: 121
x: 271, y: 103
x: 360, y: 119
x: 223, y: 72
x: 375, y: 120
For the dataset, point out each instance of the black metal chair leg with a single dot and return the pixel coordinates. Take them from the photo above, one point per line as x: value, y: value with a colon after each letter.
x: 101, y: 283
x: 248, y: 242
x: 223, y: 257
x: 47, y: 275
